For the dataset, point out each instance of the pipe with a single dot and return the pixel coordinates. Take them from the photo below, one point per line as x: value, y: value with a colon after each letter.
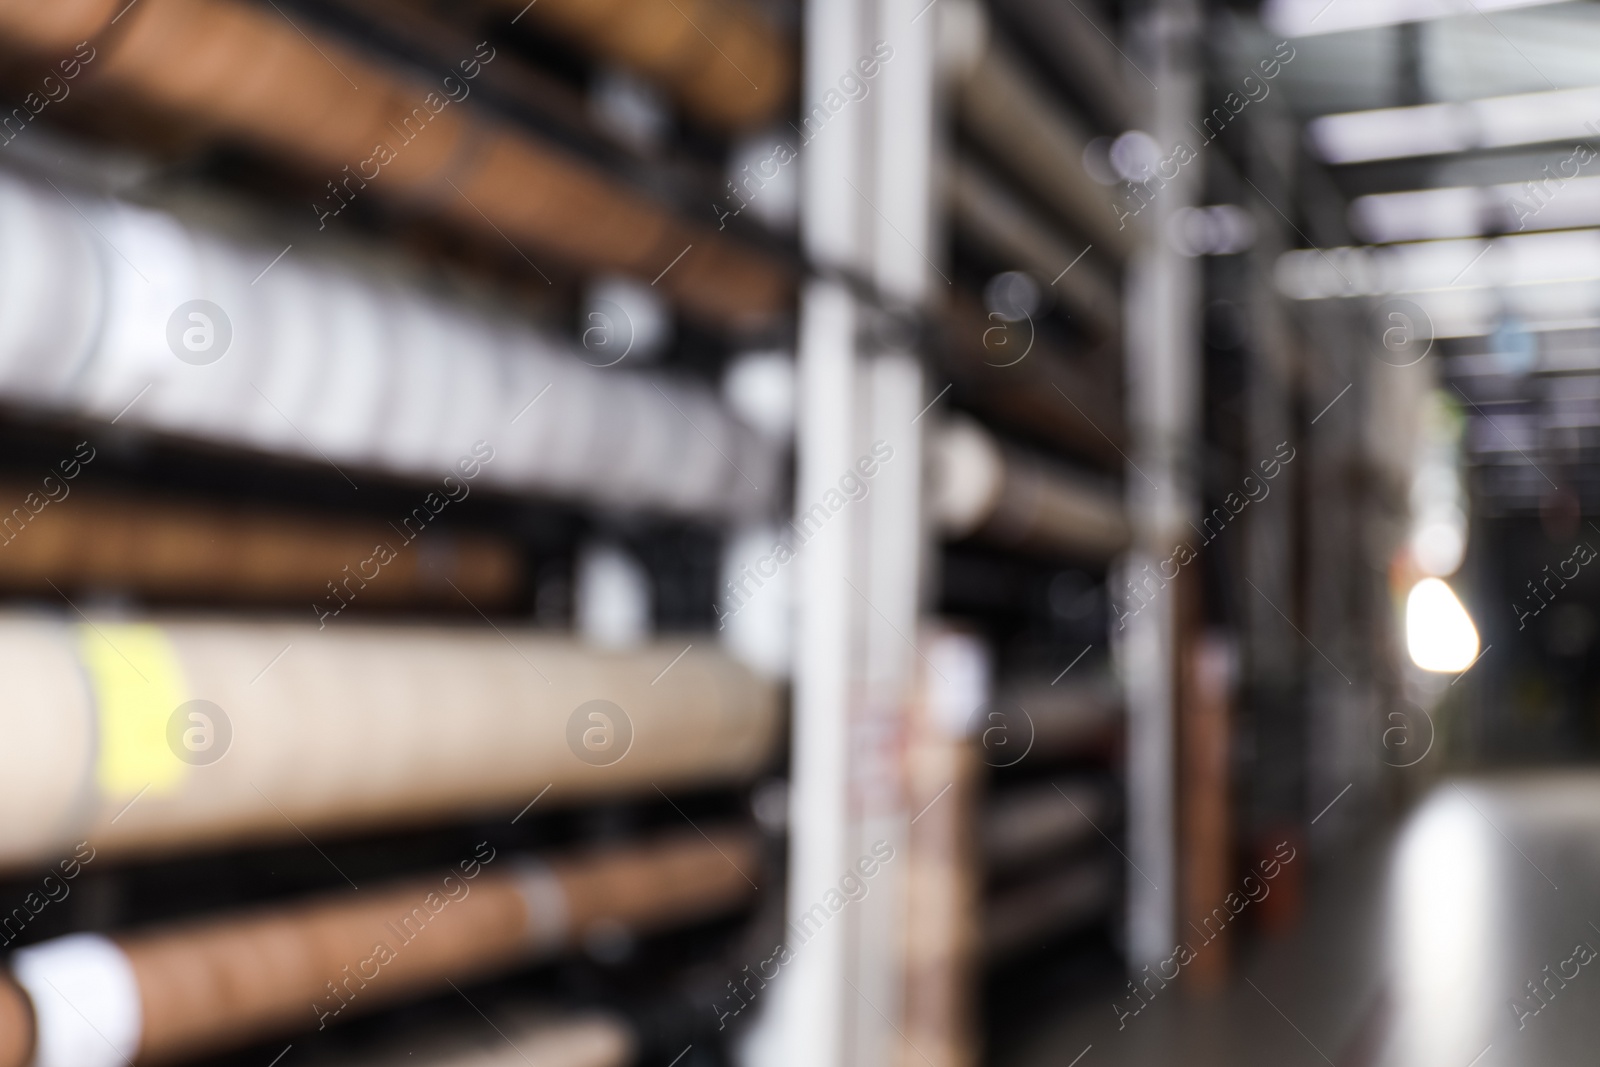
x: 722, y: 61
x: 983, y: 209
x: 1007, y: 499
x: 183, y: 549
x: 199, y: 986
x: 231, y: 69
x: 160, y: 735
x: 1002, y: 106
x: 313, y: 359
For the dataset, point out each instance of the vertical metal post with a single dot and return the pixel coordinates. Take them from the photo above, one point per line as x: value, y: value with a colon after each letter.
x: 1164, y: 384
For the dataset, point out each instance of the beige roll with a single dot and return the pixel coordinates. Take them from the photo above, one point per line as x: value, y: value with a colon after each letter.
x: 984, y: 210
x: 189, y: 988
x: 1024, y: 824
x: 229, y: 68
x: 543, y: 1038
x: 1004, y: 498
x: 1002, y: 106
x: 91, y: 538
x: 301, y: 729
x: 1025, y: 915
x: 720, y: 59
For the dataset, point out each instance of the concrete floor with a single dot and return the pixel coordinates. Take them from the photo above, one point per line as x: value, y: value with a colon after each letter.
x: 1413, y: 952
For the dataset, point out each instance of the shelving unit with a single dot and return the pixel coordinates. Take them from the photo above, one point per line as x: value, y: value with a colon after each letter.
x: 785, y: 395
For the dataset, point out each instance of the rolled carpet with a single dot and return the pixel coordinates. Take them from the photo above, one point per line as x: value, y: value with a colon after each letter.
x: 182, y: 990
x: 162, y: 735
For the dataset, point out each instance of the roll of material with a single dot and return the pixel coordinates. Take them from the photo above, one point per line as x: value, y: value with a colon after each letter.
x: 229, y: 68
x: 171, y: 549
x: 160, y: 736
x: 544, y: 1038
x: 721, y: 60
x: 982, y: 208
x: 179, y: 991
x: 1008, y: 371
x: 1083, y: 54
x: 1024, y: 915
x: 1005, y: 110
x: 1079, y: 713
x: 1023, y: 825
x: 1007, y: 499
x: 317, y: 361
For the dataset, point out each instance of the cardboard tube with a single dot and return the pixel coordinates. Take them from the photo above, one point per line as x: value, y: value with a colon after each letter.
x: 982, y: 490
x: 209, y: 984
x: 158, y: 547
x: 227, y: 68
x: 342, y: 728
x: 722, y: 61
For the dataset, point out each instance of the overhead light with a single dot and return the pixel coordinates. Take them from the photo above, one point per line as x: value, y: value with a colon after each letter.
x: 1554, y: 202
x: 1440, y: 129
x: 1525, y: 259
x: 1303, y: 18
x: 1439, y: 632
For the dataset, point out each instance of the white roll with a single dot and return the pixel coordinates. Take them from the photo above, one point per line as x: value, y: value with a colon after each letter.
x: 150, y: 268
x: 85, y: 1001
x: 329, y: 363
x: 46, y: 328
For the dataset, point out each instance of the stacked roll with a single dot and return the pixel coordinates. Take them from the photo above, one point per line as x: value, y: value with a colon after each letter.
x: 315, y: 360
x: 549, y: 1039
x: 199, y: 986
x: 224, y: 67
x: 720, y: 59
x: 1006, y: 498
x: 1010, y: 372
x: 172, y: 549
x: 1001, y: 104
x: 164, y: 735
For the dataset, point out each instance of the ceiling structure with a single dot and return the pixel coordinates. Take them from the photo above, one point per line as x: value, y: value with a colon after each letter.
x: 1465, y: 138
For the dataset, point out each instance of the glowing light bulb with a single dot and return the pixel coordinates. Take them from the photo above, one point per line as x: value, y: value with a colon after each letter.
x: 1439, y: 632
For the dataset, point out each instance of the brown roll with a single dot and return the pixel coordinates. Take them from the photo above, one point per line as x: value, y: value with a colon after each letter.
x: 722, y: 61
x: 156, y: 547
x: 228, y: 68
x: 982, y: 208
x: 528, y: 1036
x: 1078, y: 713
x: 1012, y: 500
x: 1008, y: 371
x: 347, y: 727
x: 16, y: 1023
x: 209, y: 984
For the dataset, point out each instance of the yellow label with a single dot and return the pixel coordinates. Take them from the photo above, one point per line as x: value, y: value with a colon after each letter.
x: 138, y: 684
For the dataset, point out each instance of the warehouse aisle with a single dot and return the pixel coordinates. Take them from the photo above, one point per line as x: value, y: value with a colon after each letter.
x: 1422, y: 949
